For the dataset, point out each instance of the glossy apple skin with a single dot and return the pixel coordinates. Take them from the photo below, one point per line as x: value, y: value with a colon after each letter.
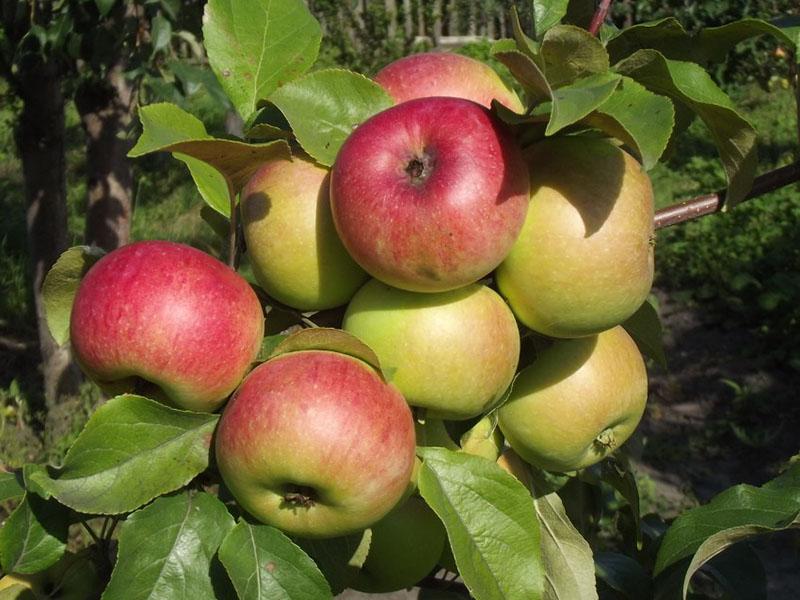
x: 429, y: 195
x: 583, y: 262
x: 171, y: 315
x: 322, y: 425
x: 445, y: 74
x: 580, y: 400
x: 405, y: 546
x: 295, y: 252
x: 453, y: 353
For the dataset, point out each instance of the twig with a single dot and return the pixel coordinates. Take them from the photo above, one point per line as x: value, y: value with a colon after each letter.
x: 794, y: 75
x: 711, y: 203
x: 91, y: 532
x: 233, y: 231
x: 599, y: 16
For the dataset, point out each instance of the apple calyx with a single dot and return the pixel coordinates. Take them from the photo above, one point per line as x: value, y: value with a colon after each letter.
x: 606, y: 440
x: 419, y: 167
x: 300, y: 496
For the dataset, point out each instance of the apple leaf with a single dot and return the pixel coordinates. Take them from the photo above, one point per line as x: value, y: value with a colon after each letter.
x: 263, y: 563
x: 573, y: 102
x: 740, y: 573
x: 209, y: 182
x: 735, y: 514
x: 268, y: 345
x: 339, y: 558
x: 623, y: 574
x: 637, y: 117
x: 490, y: 521
x: 567, y: 556
x: 689, y: 84
x: 333, y: 340
x: 167, y: 549
x: 17, y: 591
x: 525, y: 44
x: 644, y: 326
x: 324, y: 107
x: 569, y: 53
x: 61, y: 284
x: 131, y: 450
x: 615, y: 471
x: 547, y: 13
x: 34, y: 537
x: 524, y: 70
x: 255, y: 46
x: 11, y: 486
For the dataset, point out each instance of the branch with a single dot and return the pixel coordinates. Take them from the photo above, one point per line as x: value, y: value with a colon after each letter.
x: 233, y: 231
x: 711, y: 203
x: 599, y: 16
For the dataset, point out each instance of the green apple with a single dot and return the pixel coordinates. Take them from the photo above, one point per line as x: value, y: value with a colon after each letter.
x: 583, y: 262
x: 453, y: 353
x: 511, y: 463
x: 483, y: 439
x: 295, y: 252
x: 74, y: 577
x: 406, y: 545
x: 578, y: 402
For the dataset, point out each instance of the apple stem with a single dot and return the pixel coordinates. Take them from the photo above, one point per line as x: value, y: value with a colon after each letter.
x: 233, y: 230
x: 599, y: 16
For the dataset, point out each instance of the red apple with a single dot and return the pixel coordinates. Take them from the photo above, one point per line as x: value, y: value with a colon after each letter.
x: 317, y: 444
x: 168, y: 314
x: 429, y: 195
x: 445, y: 74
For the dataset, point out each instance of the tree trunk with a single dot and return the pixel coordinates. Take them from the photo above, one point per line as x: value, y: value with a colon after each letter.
x: 105, y: 107
x: 40, y: 141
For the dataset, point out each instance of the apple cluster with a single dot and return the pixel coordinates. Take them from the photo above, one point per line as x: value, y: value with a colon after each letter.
x: 445, y: 239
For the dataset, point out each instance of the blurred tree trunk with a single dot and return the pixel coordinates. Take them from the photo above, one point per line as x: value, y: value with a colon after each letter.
x: 40, y: 142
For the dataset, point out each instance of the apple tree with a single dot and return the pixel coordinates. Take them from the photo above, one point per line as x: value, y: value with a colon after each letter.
x: 451, y: 423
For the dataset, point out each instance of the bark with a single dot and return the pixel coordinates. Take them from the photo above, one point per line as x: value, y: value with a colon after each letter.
x: 40, y: 142
x: 106, y: 106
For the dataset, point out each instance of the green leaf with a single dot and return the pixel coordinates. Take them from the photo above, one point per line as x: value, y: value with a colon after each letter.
x: 131, y: 450
x: 34, y: 537
x: 167, y: 550
x: 570, y: 53
x: 490, y: 521
x: 645, y: 329
x: 567, y: 556
x: 160, y: 33
x: 339, y: 558
x: 268, y: 345
x: 619, y: 476
x: 524, y: 44
x: 11, y: 486
x: 573, y: 102
x: 167, y: 128
x: 210, y: 184
x: 256, y: 46
x: 689, y: 84
x: 639, y: 118
x: 740, y: 573
x: 61, y: 284
x: 263, y: 563
x: 325, y: 338
x: 547, y: 13
x: 324, y: 107
x: 623, y: 574
x: 737, y: 513
x: 105, y: 6
x: 524, y: 70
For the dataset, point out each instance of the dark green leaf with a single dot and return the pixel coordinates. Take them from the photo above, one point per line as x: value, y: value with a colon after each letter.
x: 160, y: 32
x: 131, y: 450
x: 621, y: 478
x: 324, y: 107
x: 34, y: 537
x: 740, y: 573
x: 524, y: 70
x: 339, y: 558
x: 689, y: 84
x: 547, y: 13
x: 61, y: 285
x: 218, y: 222
x: 573, y: 102
x: 194, y: 78
x: 490, y: 521
x: 167, y: 549
x: 256, y: 46
x: 105, y: 6
x: 525, y: 44
x: 11, y: 486
x: 570, y: 53
x: 263, y: 563
x: 645, y: 329
x: 623, y: 574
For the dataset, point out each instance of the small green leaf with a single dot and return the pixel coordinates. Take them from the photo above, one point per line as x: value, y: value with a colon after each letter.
x: 524, y: 44
x: 490, y: 521
x: 333, y: 340
x: 160, y: 33
x: 131, y: 450
x: 570, y: 53
x: 263, y: 563
x: 524, y: 70
x: 256, y: 46
x: 547, y: 13
x: 210, y: 184
x: 623, y: 574
x: 105, y: 6
x: 687, y: 83
x: 61, y: 284
x: 11, y: 486
x: 645, y: 329
x: 618, y: 475
x: 324, y: 107
x: 573, y: 102
x: 34, y: 537
x: 339, y: 558
x: 268, y: 345
x: 167, y: 550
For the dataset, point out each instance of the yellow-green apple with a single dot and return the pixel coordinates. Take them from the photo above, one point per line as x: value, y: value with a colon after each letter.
x: 511, y: 462
x: 316, y: 443
x: 295, y: 252
x: 170, y: 315
x: 445, y: 74
x: 74, y: 577
x: 453, y: 353
x: 584, y: 260
x: 405, y: 547
x: 579, y: 401
x: 483, y: 439
x: 429, y: 195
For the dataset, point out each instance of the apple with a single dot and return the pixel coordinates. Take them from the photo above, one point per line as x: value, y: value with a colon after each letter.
x: 74, y: 577
x: 583, y: 262
x: 317, y: 444
x: 511, y: 463
x: 483, y: 439
x: 429, y: 195
x: 453, y: 353
x: 295, y: 252
x: 446, y: 74
x: 578, y: 402
x: 406, y: 545
x: 170, y: 315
